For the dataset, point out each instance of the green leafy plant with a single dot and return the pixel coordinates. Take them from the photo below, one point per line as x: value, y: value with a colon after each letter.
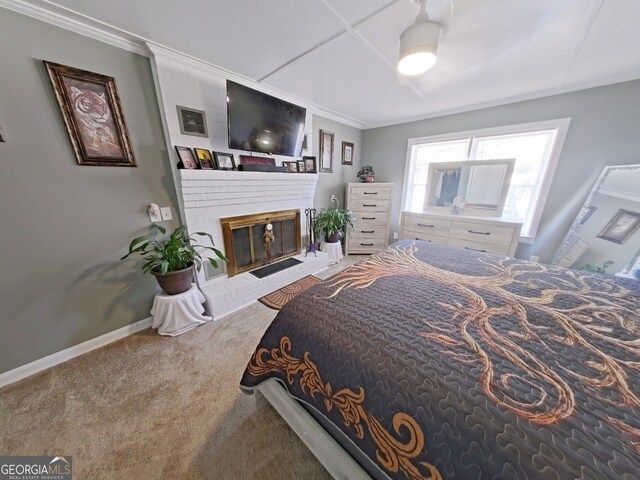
x: 596, y: 269
x: 172, y: 253
x: 333, y: 220
x: 366, y: 170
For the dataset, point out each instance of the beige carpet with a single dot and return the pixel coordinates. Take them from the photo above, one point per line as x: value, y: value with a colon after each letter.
x: 149, y: 407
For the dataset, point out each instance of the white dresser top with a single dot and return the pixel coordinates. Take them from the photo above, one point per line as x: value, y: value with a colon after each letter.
x: 467, y: 218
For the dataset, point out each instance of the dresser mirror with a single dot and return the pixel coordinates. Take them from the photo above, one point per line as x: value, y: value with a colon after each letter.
x: 481, y: 184
x: 605, y: 236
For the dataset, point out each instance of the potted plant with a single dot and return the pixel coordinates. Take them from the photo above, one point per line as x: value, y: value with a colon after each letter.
x: 171, y: 259
x: 332, y: 222
x: 366, y: 174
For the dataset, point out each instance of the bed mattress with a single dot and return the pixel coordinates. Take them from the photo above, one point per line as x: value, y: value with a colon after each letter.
x: 445, y: 363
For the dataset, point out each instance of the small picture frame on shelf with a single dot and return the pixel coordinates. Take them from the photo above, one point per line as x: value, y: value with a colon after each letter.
x: 205, y: 159
x: 187, y: 159
x: 347, y: 153
x: 224, y: 161
x: 292, y: 167
x: 192, y: 122
x: 301, y: 167
x: 310, y: 165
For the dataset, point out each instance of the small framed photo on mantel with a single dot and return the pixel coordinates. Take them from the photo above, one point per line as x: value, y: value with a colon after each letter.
x: 187, y: 160
x: 310, y: 165
x: 224, y: 161
x: 205, y: 159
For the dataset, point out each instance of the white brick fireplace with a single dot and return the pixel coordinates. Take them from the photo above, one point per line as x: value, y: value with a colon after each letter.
x: 209, y: 195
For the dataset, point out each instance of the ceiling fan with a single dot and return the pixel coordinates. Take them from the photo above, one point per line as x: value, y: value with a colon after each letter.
x: 419, y: 42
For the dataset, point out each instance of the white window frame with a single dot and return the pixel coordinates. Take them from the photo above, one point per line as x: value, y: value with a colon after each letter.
x: 539, y: 201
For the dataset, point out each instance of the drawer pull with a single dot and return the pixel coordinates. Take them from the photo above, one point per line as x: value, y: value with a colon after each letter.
x: 429, y: 241
x: 367, y: 244
x: 475, y: 250
x: 425, y: 225
x: 367, y: 231
x: 368, y: 218
x: 370, y: 193
x: 369, y: 205
x: 479, y: 233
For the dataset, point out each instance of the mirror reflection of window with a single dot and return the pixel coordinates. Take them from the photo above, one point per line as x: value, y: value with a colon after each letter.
x: 446, y: 187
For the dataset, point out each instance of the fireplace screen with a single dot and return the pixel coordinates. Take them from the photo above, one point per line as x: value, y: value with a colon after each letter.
x: 251, y: 241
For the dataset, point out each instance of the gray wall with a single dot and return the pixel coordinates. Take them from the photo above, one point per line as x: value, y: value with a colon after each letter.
x: 603, y: 131
x: 64, y: 226
x: 334, y: 183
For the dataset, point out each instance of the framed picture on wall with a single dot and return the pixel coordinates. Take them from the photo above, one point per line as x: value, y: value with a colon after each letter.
x: 224, y: 161
x: 347, y: 153
x: 310, y: 165
x: 326, y: 151
x: 187, y: 160
x: 192, y: 122
x: 205, y: 158
x: 620, y: 228
x: 92, y: 114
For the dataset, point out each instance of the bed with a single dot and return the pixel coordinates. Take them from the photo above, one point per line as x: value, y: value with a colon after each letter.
x: 431, y: 362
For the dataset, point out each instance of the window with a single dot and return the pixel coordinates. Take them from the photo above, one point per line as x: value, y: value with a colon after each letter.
x: 535, y: 146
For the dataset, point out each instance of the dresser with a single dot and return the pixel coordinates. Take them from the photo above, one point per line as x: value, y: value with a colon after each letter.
x: 481, y: 234
x: 371, y: 205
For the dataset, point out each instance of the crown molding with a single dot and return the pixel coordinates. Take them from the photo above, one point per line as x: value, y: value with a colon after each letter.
x: 90, y: 27
x: 78, y: 23
x: 162, y: 53
x: 603, y: 82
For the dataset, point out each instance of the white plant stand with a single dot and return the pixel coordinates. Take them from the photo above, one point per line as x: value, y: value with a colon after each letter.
x: 177, y: 314
x: 333, y: 251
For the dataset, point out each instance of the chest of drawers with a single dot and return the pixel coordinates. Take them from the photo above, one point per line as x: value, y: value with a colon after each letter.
x: 482, y: 234
x: 371, y: 205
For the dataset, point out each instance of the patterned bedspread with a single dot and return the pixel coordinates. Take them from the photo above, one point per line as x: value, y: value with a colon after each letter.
x: 445, y: 363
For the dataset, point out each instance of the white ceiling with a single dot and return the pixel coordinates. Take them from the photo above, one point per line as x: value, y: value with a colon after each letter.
x: 341, y: 54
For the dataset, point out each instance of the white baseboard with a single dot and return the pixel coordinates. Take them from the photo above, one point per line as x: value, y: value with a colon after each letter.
x: 41, y: 364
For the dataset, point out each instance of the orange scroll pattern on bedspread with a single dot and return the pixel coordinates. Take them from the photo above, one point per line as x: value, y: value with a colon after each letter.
x: 392, y: 454
x: 588, y: 312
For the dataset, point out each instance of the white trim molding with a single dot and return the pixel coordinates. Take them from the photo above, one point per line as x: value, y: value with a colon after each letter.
x: 57, y: 358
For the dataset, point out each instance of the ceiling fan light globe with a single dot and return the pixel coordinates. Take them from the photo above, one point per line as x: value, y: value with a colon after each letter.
x: 418, y: 47
x: 416, y: 63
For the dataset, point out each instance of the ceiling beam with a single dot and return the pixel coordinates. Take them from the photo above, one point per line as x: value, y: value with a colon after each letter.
x: 592, y: 15
x: 347, y: 29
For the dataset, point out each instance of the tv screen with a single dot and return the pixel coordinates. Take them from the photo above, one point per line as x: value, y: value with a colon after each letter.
x: 261, y: 123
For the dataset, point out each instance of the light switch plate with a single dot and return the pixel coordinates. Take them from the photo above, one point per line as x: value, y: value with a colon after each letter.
x: 154, y: 213
x: 166, y: 213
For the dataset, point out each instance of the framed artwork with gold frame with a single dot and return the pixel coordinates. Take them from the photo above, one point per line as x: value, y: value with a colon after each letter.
x: 92, y: 114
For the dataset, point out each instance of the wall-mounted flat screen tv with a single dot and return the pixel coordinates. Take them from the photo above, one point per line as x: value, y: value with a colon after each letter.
x: 261, y: 123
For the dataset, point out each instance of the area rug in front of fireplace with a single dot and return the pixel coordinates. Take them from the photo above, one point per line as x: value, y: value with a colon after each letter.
x: 279, y: 298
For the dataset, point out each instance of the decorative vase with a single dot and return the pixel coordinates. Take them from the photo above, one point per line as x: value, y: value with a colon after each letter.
x: 367, y: 178
x: 334, y: 238
x: 176, y: 282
